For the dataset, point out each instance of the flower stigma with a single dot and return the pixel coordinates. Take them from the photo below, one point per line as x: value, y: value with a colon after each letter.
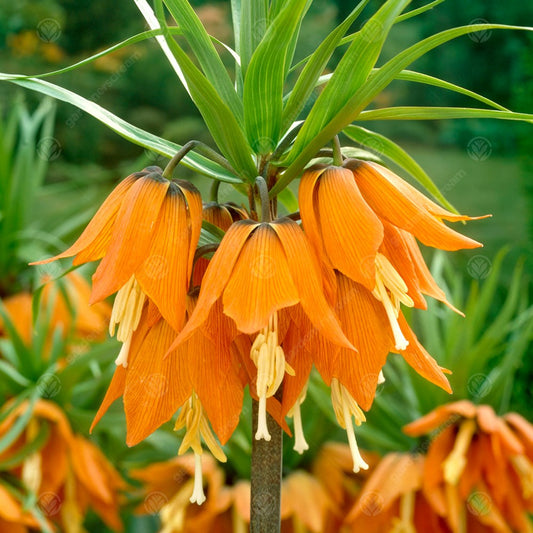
x: 391, y: 290
x: 345, y: 407
x: 126, y: 313
x: 269, y: 358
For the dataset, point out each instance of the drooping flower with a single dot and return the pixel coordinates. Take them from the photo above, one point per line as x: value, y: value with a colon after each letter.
x: 362, y: 220
x: 68, y: 474
x: 66, y: 304
x: 259, y: 271
x: 479, y: 467
x: 145, y: 234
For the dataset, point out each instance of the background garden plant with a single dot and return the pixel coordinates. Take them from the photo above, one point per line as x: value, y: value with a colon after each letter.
x: 249, y: 113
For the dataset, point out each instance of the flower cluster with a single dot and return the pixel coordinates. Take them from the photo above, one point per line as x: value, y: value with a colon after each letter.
x: 65, y: 474
x: 275, y: 298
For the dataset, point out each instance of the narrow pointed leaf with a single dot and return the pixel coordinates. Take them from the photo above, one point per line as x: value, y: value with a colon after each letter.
x: 253, y: 25
x: 350, y: 74
x: 373, y: 86
x: 265, y: 77
x: 314, y: 67
x: 397, y: 154
x: 128, y: 131
x: 436, y: 113
x: 203, y: 48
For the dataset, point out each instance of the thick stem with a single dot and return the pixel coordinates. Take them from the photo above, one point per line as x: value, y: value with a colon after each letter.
x: 199, y: 147
x: 263, y: 194
x: 267, y: 458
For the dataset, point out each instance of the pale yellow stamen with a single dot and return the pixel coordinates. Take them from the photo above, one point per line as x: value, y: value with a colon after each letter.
x: 404, y: 523
x: 381, y: 377
x: 198, y: 495
x: 345, y: 407
x: 455, y: 462
x: 173, y: 513
x: 524, y: 468
x: 32, y: 473
x: 391, y: 290
x: 300, y: 444
x: 126, y: 313
x: 193, y: 419
x: 269, y: 358
x: 71, y: 516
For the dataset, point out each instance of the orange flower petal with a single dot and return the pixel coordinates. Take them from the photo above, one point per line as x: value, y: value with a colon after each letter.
x: 97, y: 228
x: 418, y: 358
x: 132, y: 236
x: 351, y: 231
x: 426, y: 283
x: 217, y: 275
x: 216, y: 382
x: 307, y: 281
x: 439, y: 416
x: 397, y: 252
x: 194, y: 205
x: 260, y: 283
x: 366, y: 325
x: 164, y: 275
x: 155, y: 385
x: 399, y: 203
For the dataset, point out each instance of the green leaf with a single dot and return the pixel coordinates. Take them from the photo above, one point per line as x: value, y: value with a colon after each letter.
x: 265, y: 78
x: 289, y: 200
x: 24, y: 354
x: 29, y: 448
x: 12, y: 373
x: 418, y: 77
x: 22, y: 421
x: 132, y: 133
x: 350, y: 74
x: 253, y: 24
x: 373, y: 86
x: 314, y: 66
x: 219, y: 118
x: 203, y: 48
x: 419, y: 11
x: 397, y: 154
x: 436, y: 113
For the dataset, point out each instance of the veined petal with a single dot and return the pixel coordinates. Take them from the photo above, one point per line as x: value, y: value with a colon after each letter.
x: 217, y: 275
x: 114, y: 392
x: 215, y: 380
x: 96, y: 232
x: 260, y: 283
x: 155, y: 385
x: 403, y: 209
x: 164, y: 273
x: 307, y: 198
x: 398, y: 253
x: 218, y: 215
x: 351, y: 231
x: 194, y: 206
x: 301, y: 361
x: 307, y: 281
x: 426, y: 283
x: 365, y: 323
x: 132, y: 236
x: 418, y: 358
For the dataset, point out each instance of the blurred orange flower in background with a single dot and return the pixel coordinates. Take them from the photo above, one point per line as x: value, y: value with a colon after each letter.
x: 66, y: 473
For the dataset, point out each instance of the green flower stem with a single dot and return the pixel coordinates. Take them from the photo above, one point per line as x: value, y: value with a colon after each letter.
x: 199, y: 147
x: 267, y: 460
x: 263, y: 194
x: 337, y: 153
x: 213, y: 193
